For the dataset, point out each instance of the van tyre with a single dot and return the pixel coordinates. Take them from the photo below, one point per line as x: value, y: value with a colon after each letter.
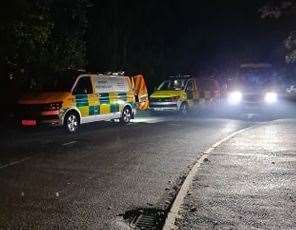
x: 72, y: 122
x: 184, y: 109
x: 126, y: 116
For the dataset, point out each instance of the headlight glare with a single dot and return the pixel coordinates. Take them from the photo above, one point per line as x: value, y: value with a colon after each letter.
x: 235, y: 97
x: 271, y: 97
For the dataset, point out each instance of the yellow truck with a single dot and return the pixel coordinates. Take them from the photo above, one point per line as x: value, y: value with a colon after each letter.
x: 178, y: 93
x: 71, y: 100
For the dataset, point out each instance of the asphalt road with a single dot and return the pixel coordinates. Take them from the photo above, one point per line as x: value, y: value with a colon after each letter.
x: 247, y: 183
x: 88, y: 181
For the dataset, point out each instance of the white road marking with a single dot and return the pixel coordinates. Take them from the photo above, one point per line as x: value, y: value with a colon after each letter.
x: 179, y: 200
x: 14, y: 163
x: 69, y: 143
x: 149, y: 120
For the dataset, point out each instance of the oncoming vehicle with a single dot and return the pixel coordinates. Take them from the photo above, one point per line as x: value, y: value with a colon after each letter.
x: 255, y: 86
x: 178, y: 93
x: 73, y: 100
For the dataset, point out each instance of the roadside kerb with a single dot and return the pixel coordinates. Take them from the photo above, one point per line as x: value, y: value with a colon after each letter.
x: 173, y: 213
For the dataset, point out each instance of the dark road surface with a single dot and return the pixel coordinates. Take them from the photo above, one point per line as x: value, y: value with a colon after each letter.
x: 247, y: 183
x: 87, y: 181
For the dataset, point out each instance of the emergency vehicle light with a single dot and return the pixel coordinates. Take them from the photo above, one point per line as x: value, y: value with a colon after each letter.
x: 180, y: 76
x: 120, y: 73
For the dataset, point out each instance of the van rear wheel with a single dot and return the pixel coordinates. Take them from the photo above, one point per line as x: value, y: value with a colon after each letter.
x: 126, y: 116
x: 71, y: 122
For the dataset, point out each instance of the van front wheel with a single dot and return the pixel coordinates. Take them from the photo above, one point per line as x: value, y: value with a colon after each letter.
x: 184, y: 109
x: 126, y: 116
x: 71, y: 122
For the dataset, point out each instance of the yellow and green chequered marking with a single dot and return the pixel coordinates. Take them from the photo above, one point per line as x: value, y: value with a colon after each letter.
x: 105, y: 103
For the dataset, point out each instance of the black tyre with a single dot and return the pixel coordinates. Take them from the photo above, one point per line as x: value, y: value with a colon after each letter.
x: 72, y: 122
x: 126, y: 116
x: 184, y: 109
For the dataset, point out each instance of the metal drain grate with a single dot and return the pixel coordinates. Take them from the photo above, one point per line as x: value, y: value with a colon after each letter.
x: 145, y: 219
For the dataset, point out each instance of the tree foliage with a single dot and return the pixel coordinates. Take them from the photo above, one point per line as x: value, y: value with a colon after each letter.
x: 156, y: 38
x: 40, y: 36
x: 284, y: 10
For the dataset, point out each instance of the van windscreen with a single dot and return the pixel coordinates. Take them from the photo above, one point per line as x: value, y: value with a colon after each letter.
x: 174, y: 84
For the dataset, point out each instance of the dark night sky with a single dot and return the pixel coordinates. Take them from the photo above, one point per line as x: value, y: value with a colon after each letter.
x: 154, y: 37
x: 172, y: 36
x: 200, y: 36
x: 224, y: 31
x: 233, y: 31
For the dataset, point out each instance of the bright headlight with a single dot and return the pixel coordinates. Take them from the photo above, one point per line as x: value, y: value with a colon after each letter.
x: 271, y: 97
x: 235, y: 97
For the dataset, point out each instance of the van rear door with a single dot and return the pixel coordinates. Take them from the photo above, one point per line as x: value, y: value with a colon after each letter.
x: 141, y: 92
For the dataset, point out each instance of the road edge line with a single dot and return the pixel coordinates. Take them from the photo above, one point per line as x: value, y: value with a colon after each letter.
x: 173, y: 213
x: 69, y: 143
x: 14, y: 163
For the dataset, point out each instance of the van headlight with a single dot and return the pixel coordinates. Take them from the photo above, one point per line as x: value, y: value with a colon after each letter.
x: 271, y: 97
x: 235, y: 97
x: 53, y: 106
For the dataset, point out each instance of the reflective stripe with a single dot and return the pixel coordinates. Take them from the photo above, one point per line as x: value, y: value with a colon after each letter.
x: 103, y: 103
x: 104, y: 98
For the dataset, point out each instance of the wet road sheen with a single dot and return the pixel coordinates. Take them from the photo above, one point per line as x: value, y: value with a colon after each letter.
x: 52, y: 180
x: 247, y: 182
